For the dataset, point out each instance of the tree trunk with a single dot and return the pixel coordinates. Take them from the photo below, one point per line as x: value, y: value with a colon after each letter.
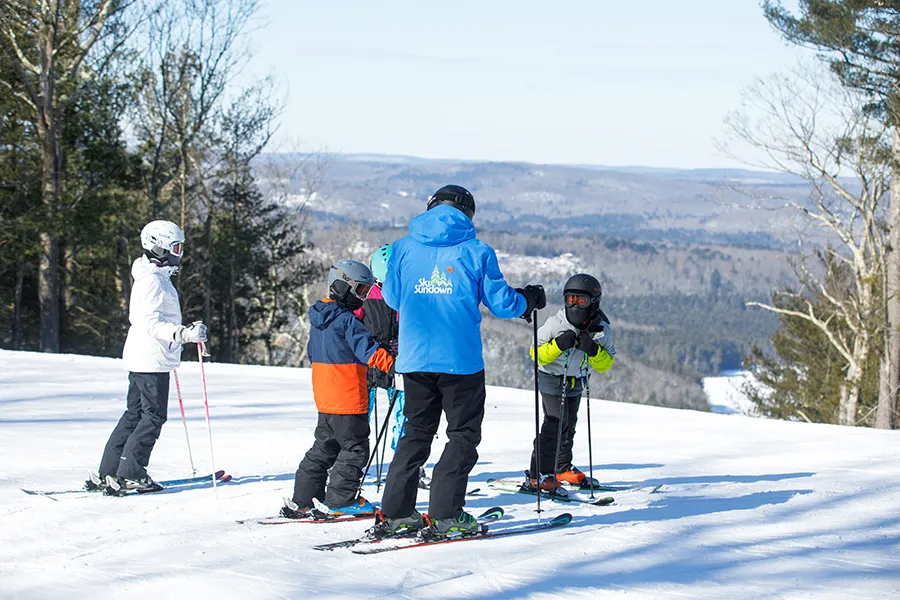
x: 207, y: 270
x: 844, y: 395
x: 232, y: 315
x: 66, y: 284
x: 48, y: 273
x: 887, y: 397
x: 883, y: 410
x: 48, y: 135
x: 17, y: 302
x: 854, y: 377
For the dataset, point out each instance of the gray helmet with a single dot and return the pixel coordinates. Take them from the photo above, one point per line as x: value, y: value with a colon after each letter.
x: 350, y: 276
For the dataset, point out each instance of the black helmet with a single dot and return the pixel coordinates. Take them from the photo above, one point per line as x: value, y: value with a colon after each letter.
x: 581, y: 295
x: 456, y: 196
x: 586, y: 284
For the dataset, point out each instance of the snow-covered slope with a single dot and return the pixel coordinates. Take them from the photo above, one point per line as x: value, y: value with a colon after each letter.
x: 751, y: 508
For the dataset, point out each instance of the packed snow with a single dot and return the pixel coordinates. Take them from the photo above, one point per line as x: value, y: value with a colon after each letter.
x: 750, y: 508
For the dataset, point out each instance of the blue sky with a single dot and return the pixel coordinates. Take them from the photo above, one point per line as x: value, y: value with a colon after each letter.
x: 579, y: 82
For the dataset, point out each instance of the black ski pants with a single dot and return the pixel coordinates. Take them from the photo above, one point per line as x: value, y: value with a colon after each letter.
x: 340, y: 451
x: 461, y: 398
x: 127, y: 452
x: 554, y: 410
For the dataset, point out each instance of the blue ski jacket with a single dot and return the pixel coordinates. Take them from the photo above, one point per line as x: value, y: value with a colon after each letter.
x: 437, y: 277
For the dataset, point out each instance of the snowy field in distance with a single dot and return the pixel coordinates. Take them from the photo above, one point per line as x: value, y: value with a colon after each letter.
x: 752, y: 508
x: 725, y: 393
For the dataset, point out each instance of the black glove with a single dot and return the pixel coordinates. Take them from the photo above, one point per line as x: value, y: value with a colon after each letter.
x: 378, y: 378
x: 587, y: 344
x: 566, y: 340
x: 535, y: 299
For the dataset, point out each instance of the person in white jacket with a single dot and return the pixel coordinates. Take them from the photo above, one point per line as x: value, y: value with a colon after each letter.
x: 152, y: 350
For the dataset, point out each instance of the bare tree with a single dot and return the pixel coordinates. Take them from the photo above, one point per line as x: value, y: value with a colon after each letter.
x: 285, y: 291
x: 193, y: 50
x: 48, y: 43
x: 805, y: 124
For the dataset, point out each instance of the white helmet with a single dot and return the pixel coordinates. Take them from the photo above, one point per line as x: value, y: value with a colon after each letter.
x: 163, y: 242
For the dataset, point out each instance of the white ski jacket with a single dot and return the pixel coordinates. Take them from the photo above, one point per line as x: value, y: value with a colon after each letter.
x: 155, y: 315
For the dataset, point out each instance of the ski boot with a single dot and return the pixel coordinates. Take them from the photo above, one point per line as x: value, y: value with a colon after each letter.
x: 291, y: 510
x: 549, y: 485
x: 573, y: 477
x: 463, y: 524
x: 95, y: 483
x: 387, y: 527
x: 360, y: 507
x: 119, y: 486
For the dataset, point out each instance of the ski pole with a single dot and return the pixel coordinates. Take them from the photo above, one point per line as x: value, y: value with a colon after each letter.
x: 184, y: 422
x: 387, y: 417
x: 377, y: 441
x: 537, y: 417
x: 201, y: 353
x: 587, y: 387
x: 378, y: 459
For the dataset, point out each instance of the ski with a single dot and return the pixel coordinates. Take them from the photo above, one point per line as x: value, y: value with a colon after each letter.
x: 311, y: 518
x: 508, y: 485
x: 492, y: 514
x: 614, y: 488
x: 558, y: 521
x: 221, y: 477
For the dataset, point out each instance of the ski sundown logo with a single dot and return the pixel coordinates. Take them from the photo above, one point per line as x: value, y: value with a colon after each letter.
x: 439, y: 283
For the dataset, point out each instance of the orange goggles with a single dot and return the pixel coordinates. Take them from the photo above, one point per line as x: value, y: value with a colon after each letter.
x: 574, y: 299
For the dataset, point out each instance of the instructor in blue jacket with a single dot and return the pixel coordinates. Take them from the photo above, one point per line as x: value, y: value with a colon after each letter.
x: 437, y: 277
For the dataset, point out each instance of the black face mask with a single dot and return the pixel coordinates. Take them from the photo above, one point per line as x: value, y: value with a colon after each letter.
x: 580, y: 316
x: 340, y: 293
x: 351, y: 302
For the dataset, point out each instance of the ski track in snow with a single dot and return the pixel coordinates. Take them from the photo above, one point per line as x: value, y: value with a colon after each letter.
x: 750, y: 508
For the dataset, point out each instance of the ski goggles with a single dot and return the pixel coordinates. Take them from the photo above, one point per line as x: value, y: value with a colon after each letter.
x: 177, y: 248
x: 361, y: 290
x: 575, y: 299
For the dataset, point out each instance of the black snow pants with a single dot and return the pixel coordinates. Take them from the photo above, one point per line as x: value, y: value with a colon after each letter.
x: 550, y: 430
x: 461, y: 398
x: 127, y: 452
x: 337, y: 457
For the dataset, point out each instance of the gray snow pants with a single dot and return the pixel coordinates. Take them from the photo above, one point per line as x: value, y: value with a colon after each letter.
x: 127, y: 452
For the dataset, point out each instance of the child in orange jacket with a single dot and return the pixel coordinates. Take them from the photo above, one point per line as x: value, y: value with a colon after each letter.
x: 341, y: 350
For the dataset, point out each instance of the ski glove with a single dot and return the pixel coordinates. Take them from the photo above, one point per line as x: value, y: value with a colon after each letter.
x: 534, y: 298
x: 566, y: 340
x: 587, y: 344
x: 193, y: 333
